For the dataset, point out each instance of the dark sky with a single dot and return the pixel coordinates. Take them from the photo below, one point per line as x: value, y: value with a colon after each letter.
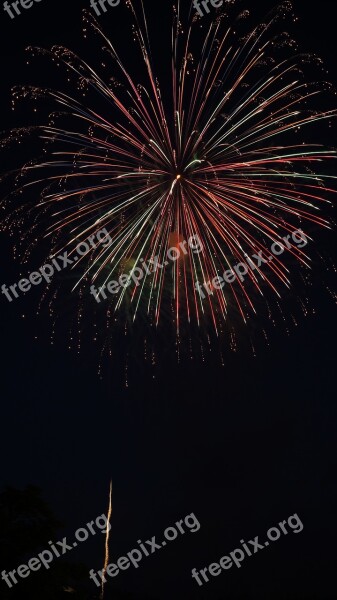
x: 243, y: 447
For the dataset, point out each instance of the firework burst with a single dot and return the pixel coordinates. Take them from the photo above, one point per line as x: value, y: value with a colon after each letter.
x: 216, y: 151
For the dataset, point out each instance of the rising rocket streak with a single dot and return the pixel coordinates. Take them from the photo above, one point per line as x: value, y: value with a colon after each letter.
x: 106, y: 559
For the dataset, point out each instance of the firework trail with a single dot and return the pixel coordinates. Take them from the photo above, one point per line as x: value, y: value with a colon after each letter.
x: 106, y: 558
x: 222, y: 157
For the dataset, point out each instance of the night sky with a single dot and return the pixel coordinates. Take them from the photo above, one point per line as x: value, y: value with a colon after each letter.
x: 242, y: 446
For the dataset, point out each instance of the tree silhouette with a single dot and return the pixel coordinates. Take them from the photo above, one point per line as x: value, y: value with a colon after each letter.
x: 26, y: 525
